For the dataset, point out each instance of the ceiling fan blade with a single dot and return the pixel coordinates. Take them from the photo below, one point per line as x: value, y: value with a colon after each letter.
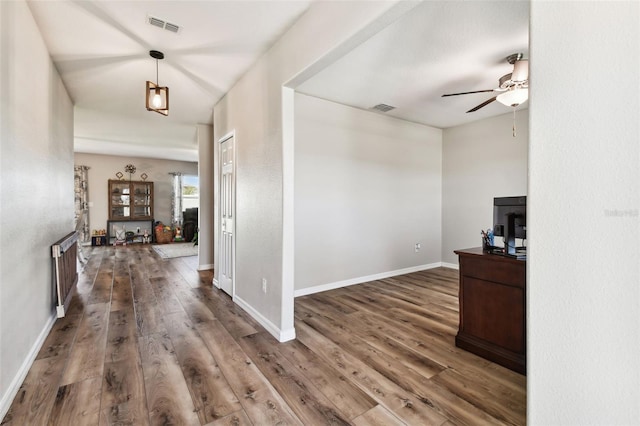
x: 485, y: 103
x: 467, y: 93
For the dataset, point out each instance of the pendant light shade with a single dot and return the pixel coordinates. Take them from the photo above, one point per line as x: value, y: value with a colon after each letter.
x: 157, y: 97
x: 513, y: 97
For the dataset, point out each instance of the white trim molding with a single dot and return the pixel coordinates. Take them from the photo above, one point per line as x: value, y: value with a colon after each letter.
x: 14, y: 386
x: 275, y: 331
x: 215, y: 283
x: 450, y: 265
x: 365, y: 279
x: 206, y: 267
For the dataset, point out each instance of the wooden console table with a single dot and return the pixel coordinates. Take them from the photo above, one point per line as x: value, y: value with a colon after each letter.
x: 493, y: 308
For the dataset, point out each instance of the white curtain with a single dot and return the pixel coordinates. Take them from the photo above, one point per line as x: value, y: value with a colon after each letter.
x: 81, y: 198
x: 176, y: 199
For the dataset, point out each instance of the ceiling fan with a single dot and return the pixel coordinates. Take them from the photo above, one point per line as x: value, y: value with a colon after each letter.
x: 514, y: 86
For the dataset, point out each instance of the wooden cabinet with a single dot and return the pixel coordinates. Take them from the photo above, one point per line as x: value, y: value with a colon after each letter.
x: 493, y: 308
x: 130, y: 200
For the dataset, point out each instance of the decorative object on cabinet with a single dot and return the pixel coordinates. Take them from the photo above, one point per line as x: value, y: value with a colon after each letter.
x: 130, y: 200
x: 144, y: 176
x: 120, y: 176
x: 134, y: 230
x: 131, y: 169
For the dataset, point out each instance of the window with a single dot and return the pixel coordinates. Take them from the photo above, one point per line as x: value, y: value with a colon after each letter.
x: 186, y: 195
x: 190, y: 192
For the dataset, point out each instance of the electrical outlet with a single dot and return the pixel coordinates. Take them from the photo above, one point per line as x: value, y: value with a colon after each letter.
x: 264, y: 285
x: 418, y: 247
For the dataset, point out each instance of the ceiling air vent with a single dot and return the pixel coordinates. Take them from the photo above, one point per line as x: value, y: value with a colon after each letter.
x: 383, y: 107
x: 171, y: 27
x: 161, y: 23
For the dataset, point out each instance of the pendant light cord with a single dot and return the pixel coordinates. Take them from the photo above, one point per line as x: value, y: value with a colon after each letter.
x: 514, y: 122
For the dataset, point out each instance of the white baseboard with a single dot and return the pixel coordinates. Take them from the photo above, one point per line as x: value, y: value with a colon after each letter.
x: 275, y: 331
x: 360, y: 280
x: 450, y: 265
x: 21, y: 374
x: 215, y: 283
x: 206, y: 267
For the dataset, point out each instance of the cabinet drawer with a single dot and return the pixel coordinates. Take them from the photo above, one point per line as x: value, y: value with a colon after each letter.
x: 505, y: 271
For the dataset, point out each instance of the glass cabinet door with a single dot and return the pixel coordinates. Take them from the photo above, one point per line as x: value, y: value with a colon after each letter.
x: 130, y: 200
x: 142, y: 205
x: 120, y: 200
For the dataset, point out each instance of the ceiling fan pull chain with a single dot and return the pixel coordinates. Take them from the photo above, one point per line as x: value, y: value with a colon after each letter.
x: 514, y: 122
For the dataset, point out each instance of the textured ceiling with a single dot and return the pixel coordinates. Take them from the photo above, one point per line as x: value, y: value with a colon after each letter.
x: 438, y: 47
x: 101, y: 50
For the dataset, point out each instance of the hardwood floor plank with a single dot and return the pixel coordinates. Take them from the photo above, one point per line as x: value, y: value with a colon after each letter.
x: 404, y: 377
x: 509, y: 407
x: 37, y: 394
x: 163, y: 346
x: 229, y: 316
x: 101, y: 291
x: 149, y: 319
x: 210, y: 392
x: 425, y: 366
x: 86, y: 358
x: 121, y: 338
x: 404, y: 404
x: 168, y: 397
x: 77, y: 403
x: 377, y: 416
x: 193, y: 306
x: 239, y: 418
x: 140, y: 285
x: 130, y: 413
x: 123, y: 381
x: 189, y: 274
x: 346, y: 396
x: 121, y: 295
x: 165, y: 295
x: 260, y: 400
x: 309, y: 404
x: 61, y: 337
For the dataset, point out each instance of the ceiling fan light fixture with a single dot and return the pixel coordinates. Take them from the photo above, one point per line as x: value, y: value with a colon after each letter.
x: 513, y: 97
x: 157, y: 97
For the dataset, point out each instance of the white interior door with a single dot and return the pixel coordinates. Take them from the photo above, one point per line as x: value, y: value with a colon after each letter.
x: 227, y: 216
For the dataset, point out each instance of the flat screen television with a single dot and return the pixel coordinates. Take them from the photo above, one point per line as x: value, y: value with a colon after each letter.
x: 510, y: 221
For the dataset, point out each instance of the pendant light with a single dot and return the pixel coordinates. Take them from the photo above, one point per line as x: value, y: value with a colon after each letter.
x: 157, y: 97
x: 513, y: 97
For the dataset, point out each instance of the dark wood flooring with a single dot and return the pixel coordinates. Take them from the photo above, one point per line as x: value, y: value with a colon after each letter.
x: 149, y: 341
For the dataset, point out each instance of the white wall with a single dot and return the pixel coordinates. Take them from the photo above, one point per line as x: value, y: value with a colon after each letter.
x: 367, y: 189
x: 37, y: 207
x: 584, y: 221
x: 105, y: 167
x: 253, y: 108
x: 480, y: 160
x: 205, y: 213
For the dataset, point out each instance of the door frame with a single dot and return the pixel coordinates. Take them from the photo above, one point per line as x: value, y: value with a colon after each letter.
x: 226, y: 137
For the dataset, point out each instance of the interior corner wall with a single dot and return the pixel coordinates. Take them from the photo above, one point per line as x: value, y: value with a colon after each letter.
x: 205, y: 179
x: 480, y: 160
x: 36, y: 193
x: 584, y: 214
x: 104, y: 167
x: 367, y: 189
x: 253, y: 109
